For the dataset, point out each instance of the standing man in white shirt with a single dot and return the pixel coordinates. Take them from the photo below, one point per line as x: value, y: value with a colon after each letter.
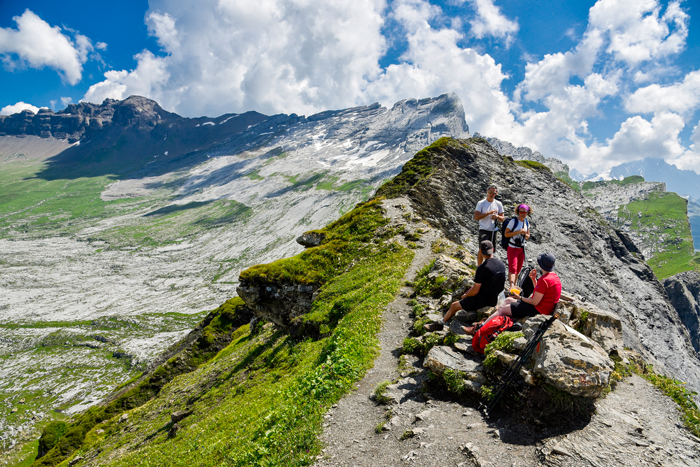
x: 488, y: 211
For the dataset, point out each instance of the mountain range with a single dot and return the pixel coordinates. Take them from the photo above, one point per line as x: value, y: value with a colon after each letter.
x: 122, y: 225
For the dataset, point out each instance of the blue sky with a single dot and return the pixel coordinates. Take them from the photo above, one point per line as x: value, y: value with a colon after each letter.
x: 592, y: 83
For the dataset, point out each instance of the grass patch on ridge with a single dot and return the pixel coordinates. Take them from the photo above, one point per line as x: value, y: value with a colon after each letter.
x: 262, y: 400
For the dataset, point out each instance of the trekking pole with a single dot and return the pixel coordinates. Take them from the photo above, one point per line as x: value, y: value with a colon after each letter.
x: 514, y: 369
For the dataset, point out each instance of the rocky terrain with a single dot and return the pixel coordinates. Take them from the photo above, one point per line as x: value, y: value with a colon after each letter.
x: 684, y: 292
x: 401, y: 258
x: 525, y: 153
x: 593, y: 258
x: 104, y: 271
x: 610, y: 199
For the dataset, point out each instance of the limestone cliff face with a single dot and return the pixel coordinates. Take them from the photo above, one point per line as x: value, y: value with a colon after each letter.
x: 593, y: 259
x: 684, y: 292
x: 609, y: 198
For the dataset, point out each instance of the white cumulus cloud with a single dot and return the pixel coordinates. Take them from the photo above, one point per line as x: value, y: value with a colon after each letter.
x: 637, y: 29
x: 491, y: 22
x: 474, y: 77
x: 269, y: 55
x: 679, y: 97
x: 36, y: 44
x: 17, y: 108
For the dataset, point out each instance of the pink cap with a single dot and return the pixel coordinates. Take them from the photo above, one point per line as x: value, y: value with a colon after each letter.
x: 525, y: 207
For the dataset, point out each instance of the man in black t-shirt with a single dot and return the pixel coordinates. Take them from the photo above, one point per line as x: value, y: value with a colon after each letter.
x: 488, y: 283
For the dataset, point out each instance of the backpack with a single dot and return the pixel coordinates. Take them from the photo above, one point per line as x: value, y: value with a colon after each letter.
x: 505, y: 240
x: 489, y: 332
x: 524, y: 282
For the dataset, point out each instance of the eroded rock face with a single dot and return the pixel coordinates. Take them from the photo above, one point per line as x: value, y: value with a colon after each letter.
x: 569, y: 361
x: 279, y: 303
x: 453, y: 270
x: 684, y: 292
x: 602, y: 326
x: 78, y: 119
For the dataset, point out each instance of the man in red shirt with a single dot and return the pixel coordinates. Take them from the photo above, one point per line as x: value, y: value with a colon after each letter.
x: 544, y: 298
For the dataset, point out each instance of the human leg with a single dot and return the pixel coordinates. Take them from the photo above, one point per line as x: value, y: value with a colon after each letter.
x: 454, y: 308
x: 503, y: 310
x: 511, y: 266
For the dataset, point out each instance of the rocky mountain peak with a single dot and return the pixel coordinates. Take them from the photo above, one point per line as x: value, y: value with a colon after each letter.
x: 592, y: 257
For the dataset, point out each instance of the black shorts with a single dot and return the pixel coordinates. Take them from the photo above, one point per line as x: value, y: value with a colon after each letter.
x: 476, y: 302
x: 520, y: 309
x: 489, y: 235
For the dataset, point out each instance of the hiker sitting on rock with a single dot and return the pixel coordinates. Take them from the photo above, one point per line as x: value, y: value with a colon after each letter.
x: 488, y: 211
x: 543, y: 300
x: 517, y: 231
x: 488, y: 283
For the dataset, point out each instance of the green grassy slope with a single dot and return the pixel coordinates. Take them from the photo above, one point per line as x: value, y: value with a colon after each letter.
x: 665, y: 216
x: 661, y: 221
x: 260, y: 400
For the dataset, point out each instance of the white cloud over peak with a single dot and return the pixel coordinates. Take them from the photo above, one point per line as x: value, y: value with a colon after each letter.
x: 17, y: 108
x: 36, y: 44
x: 146, y: 80
x: 269, y: 55
x: 638, y: 138
x: 475, y: 78
x: 490, y: 21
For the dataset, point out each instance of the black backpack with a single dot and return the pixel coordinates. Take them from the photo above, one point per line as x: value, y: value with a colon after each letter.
x: 505, y: 240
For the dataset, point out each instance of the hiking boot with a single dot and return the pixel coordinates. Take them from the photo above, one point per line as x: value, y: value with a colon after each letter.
x: 469, y: 329
x: 436, y: 326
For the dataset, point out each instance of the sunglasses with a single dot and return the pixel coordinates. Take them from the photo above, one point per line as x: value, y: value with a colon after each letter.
x: 522, y: 210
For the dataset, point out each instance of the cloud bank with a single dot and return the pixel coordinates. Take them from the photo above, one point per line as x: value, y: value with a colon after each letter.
x: 35, y: 44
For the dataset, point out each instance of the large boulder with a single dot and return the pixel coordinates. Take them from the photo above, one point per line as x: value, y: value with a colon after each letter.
x: 568, y: 360
x: 311, y: 238
x: 453, y: 270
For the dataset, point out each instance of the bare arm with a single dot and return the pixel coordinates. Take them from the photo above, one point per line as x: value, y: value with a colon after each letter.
x: 472, y: 291
x: 478, y: 215
x: 534, y: 300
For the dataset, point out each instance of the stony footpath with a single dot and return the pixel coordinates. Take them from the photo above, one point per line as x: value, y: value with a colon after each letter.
x: 403, y: 412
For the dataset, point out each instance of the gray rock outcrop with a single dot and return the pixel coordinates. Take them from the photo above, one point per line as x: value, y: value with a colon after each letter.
x: 280, y: 303
x: 593, y: 260
x: 525, y: 153
x: 441, y: 358
x: 684, y: 292
x: 569, y: 361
